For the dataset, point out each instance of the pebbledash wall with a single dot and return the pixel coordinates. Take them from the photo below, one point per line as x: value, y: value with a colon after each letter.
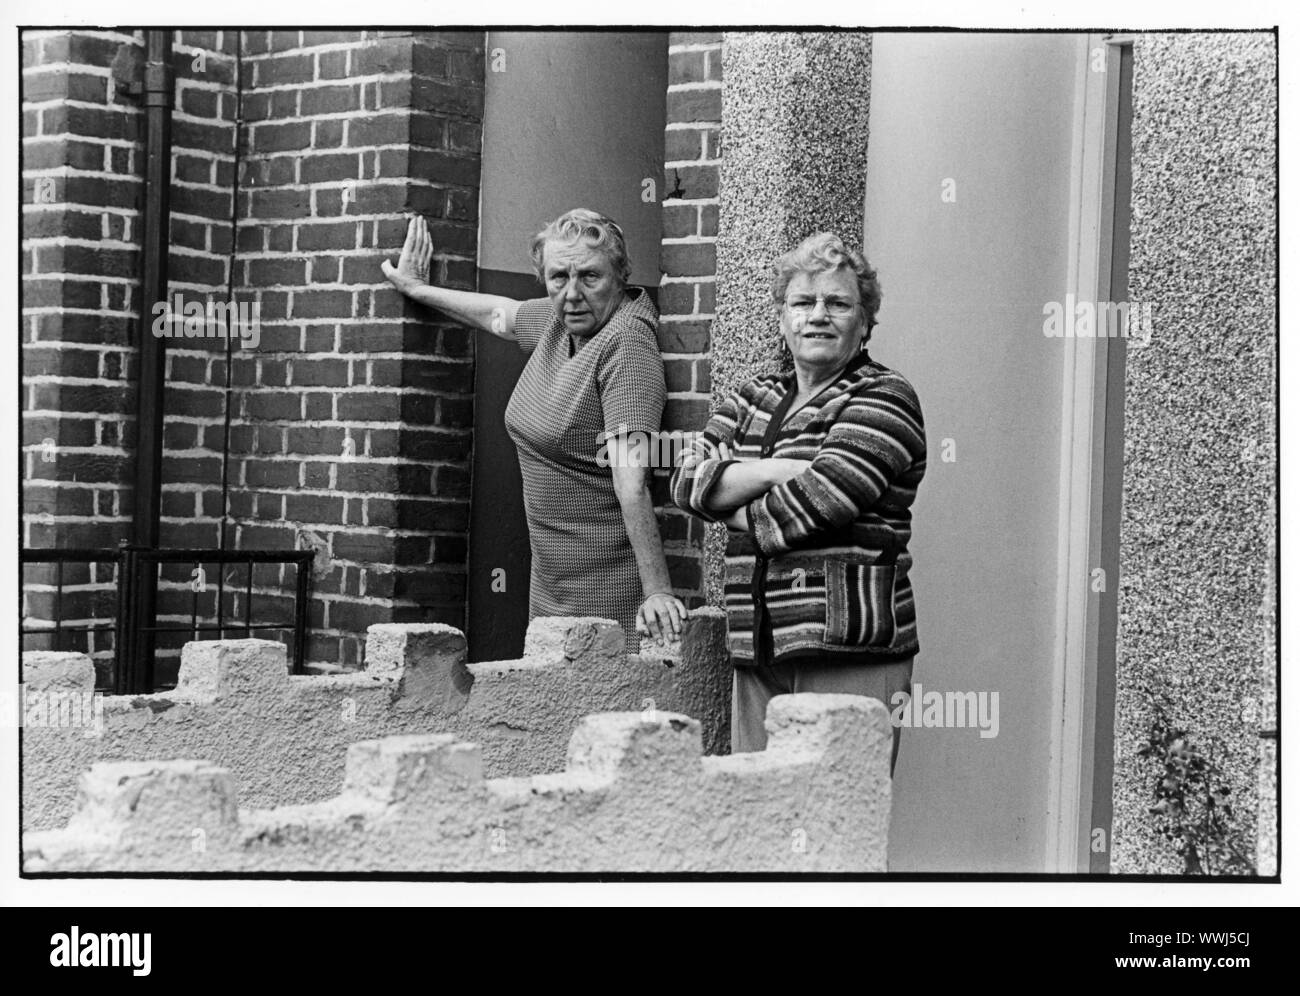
x: 1198, y: 595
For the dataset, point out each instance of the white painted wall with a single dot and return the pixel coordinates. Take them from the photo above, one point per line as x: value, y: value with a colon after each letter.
x: 964, y: 287
x: 574, y: 119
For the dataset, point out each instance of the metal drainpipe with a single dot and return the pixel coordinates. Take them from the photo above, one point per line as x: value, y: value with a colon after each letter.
x: 158, y: 99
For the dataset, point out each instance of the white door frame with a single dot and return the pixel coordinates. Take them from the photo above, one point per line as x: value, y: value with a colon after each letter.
x: 1082, y: 423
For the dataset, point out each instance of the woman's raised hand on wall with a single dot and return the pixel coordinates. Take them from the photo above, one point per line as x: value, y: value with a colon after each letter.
x: 488, y: 312
x: 412, y: 269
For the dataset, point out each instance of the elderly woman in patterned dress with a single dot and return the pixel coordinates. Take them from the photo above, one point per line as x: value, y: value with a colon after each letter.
x: 593, y: 380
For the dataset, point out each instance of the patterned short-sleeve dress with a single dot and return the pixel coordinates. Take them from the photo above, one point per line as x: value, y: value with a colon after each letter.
x: 570, y: 392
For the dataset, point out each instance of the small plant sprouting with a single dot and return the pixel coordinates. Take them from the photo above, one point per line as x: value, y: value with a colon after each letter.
x: 1193, y: 806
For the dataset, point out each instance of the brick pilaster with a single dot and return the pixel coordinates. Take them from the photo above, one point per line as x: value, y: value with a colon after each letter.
x: 355, y: 427
x: 692, y: 155
x: 80, y: 301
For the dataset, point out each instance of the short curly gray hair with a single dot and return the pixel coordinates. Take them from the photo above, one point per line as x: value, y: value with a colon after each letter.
x: 827, y: 251
x: 591, y: 228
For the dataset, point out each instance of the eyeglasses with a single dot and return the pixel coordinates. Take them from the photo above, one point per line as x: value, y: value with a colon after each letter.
x: 836, y: 307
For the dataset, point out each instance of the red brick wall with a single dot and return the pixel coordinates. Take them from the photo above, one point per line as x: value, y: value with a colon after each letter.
x: 201, y: 201
x: 350, y: 424
x: 204, y: 150
x: 692, y: 154
x: 355, y: 420
x: 81, y: 169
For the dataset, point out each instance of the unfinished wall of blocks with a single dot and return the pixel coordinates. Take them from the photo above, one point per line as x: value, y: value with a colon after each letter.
x: 635, y: 796
x: 284, y: 736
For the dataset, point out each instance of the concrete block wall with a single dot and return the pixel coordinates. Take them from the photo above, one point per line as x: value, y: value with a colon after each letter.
x: 634, y: 796
x: 284, y: 737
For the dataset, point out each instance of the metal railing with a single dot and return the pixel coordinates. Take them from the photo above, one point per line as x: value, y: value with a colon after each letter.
x: 135, y: 628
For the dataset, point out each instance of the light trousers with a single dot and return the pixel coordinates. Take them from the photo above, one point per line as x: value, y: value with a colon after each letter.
x: 754, y: 686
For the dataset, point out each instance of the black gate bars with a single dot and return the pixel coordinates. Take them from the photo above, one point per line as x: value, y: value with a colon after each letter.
x: 135, y: 625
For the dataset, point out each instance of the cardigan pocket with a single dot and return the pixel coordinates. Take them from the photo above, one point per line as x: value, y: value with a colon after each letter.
x: 860, y: 603
x: 794, y: 594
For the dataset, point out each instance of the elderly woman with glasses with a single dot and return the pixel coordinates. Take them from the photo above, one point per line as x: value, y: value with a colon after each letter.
x: 594, y: 381
x: 814, y: 471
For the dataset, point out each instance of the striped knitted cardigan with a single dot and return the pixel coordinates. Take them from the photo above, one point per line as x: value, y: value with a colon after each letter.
x: 823, y: 568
